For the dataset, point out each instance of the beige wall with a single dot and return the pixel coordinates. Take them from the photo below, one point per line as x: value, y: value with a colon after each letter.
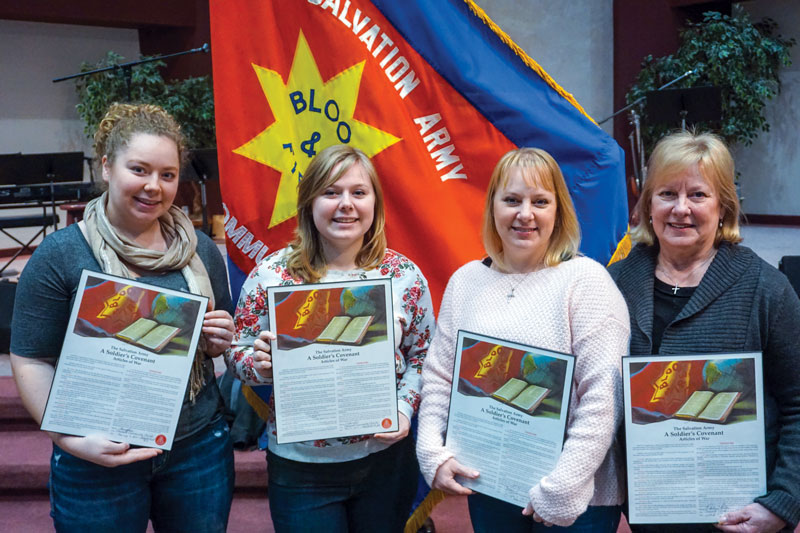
x: 572, y: 41
x: 770, y: 167
x: 37, y: 115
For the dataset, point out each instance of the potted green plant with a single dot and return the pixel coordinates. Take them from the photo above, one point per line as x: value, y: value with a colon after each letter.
x: 741, y: 57
x: 190, y: 101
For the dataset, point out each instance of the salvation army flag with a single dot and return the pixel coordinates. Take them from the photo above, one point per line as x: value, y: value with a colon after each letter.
x: 433, y: 92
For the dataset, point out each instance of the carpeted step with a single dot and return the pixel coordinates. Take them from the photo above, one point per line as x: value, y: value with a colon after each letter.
x: 251, y: 472
x: 32, y: 514
x: 24, y: 514
x: 25, y: 464
x: 13, y: 416
x: 25, y: 461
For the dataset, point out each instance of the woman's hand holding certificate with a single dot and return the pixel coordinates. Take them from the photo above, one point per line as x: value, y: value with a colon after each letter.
x: 218, y: 331
x: 444, y: 479
x: 753, y: 517
x: 262, y: 358
x: 101, y: 451
x: 403, y: 425
x: 528, y: 511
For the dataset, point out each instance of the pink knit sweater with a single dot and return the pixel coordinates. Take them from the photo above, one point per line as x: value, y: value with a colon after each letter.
x: 574, y: 307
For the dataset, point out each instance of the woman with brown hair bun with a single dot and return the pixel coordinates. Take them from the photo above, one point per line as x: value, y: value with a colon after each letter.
x: 133, y: 230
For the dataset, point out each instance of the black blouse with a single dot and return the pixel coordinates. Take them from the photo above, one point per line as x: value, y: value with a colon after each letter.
x: 667, y: 303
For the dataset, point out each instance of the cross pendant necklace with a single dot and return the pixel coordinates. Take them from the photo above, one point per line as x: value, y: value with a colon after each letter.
x: 676, y: 288
x: 514, y: 288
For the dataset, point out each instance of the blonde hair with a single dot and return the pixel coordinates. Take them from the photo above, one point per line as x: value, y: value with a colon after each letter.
x: 673, y: 155
x: 306, y: 259
x: 122, y: 121
x: 540, y: 169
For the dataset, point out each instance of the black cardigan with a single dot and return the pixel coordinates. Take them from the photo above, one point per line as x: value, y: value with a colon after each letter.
x: 742, y: 304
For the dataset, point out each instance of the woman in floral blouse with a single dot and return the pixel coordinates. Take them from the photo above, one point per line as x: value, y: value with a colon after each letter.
x: 359, y: 483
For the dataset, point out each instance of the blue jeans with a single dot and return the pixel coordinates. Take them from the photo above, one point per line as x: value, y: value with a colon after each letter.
x: 188, y: 488
x: 490, y: 514
x: 370, y: 494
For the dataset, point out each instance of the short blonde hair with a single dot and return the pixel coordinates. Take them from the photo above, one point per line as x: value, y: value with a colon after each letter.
x: 540, y: 169
x: 673, y: 155
x: 306, y: 259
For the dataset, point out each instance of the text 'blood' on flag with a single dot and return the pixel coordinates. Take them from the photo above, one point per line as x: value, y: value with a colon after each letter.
x: 433, y: 92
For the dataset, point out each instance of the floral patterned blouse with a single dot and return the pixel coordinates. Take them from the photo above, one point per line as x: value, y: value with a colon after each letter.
x: 413, y: 322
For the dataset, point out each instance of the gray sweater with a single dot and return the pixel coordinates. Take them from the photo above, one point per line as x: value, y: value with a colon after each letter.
x: 47, y: 291
x: 742, y: 304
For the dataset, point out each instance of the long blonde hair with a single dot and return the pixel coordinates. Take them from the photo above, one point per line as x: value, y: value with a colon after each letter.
x: 306, y: 259
x: 540, y: 169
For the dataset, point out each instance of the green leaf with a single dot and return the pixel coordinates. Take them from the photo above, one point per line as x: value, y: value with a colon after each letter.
x: 190, y: 101
x: 741, y: 57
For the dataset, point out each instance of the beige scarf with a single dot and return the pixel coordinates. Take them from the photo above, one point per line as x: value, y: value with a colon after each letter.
x: 111, y: 249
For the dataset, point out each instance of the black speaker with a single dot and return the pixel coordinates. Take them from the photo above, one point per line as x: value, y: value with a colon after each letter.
x: 7, y: 291
x: 790, y: 265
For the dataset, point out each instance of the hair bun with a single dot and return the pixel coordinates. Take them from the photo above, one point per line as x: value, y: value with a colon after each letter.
x: 122, y: 121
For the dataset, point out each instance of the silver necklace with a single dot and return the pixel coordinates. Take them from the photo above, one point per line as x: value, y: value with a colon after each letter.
x: 676, y: 288
x: 514, y: 287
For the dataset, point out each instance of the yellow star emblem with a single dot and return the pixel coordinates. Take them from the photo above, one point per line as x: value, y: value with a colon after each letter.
x: 310, y: 115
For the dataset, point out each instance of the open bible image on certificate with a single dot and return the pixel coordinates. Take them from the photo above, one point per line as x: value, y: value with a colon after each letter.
x: 333, y: 360
x: 125, y: 361
x: 508, y: 413
x: 694, y: 436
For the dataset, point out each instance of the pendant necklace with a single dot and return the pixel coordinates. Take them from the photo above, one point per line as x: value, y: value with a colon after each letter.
x: 514, y: 287
x: 676, y: 288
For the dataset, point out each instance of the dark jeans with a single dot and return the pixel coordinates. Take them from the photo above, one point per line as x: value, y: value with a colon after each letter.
x: 370, y: 494
x: 490, y: 514
x: 189, y: 489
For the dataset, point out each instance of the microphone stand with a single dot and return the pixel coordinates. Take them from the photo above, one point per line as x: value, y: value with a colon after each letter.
x: 126, y: 68
x: 635, y: 137
x: 641, y: 99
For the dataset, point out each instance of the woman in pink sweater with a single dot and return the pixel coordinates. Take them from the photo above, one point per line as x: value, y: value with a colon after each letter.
x: 535, y: 289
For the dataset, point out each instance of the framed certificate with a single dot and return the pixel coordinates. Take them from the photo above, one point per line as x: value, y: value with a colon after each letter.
x: 694, y: 428
x: 508, y: 413
x: 125, y: 361
x: 333, y: 362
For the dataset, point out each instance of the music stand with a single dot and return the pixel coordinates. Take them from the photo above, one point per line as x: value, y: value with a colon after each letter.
x: 30, y: 169
x: 697, y: 104
x: 202, y: 167
x: 33, y: 169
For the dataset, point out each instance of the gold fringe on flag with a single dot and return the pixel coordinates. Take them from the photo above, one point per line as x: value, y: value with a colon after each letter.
x: 528, y: 60
x: 259, y: 406
x: 623, y: 249
x: 624, y: 246
x: 423, y: 511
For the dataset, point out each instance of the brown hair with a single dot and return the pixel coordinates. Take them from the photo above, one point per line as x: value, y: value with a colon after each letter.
x: 306, y: 259
x: 122, y: 121
x: 673, y: 155
x: 539, y: 168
